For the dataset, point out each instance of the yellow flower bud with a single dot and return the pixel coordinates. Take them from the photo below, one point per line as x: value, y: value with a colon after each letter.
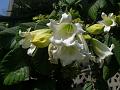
x: 87, y: 37
x: 95, y: 29
x: 40, y: 38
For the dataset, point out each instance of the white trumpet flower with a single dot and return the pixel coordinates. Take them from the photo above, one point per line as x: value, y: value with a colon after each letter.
x: 108, y: 21
x: 68, y: 48
x: 101, y: 50
x: 64, y: 32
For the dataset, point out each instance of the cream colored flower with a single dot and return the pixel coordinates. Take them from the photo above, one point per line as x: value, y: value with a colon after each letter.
x: 101, y: 50
x: 35, y: 39
x: 26, y: 42
x: 69, y: 46
x: 108, y: 21
x: 64, y: 32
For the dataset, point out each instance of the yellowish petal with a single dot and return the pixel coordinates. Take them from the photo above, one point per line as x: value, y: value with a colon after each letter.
x: 41, y: 38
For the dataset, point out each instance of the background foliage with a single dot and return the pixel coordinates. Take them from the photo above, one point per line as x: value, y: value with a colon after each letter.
x: 18, y: 71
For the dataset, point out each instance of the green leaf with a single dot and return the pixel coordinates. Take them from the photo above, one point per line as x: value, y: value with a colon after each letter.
x: 88, y: 86
x: 12, y: 63
x: 106, y: 72
x: 17, y: 76
x: 39, y: 25
x: 7, y: 37
x: 53, y: 15
x: 93, y: 10
x: 70, y: 1
x: 2, y: 28
x: 116, y: 50
x: 110, y: 68
x: 112, y: 63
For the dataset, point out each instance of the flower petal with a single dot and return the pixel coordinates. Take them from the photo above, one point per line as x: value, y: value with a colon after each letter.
x: 54, y: 41
x: 52, y: 24
x: 110, y: 15
x: 69, y: 54
x: 31, y: 50
x: 114, y: 23
x: 25, y: 43
x: 22, y: 34
x: 82, y: 40
x: 70, y: 41
x: 107, y: 28
x: 103, y: 15
x: 79, y: 28
x: 66, y: 18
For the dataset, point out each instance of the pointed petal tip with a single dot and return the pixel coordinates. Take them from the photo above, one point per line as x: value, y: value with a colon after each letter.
x: 31, y: 50
x: 107, y: 28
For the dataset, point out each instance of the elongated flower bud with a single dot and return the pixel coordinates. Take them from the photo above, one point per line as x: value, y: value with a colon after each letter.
x: 101, y: 50
x: 41, y: 38
x: 95, y: 29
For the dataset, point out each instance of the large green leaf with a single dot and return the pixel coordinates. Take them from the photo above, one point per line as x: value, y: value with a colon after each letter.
x: 15, y: 62
x: 106, y: 72
x: 14, y: 77
x: 2, y: 28
x: 110, y: 68
x: 112, y: 63
x: 70, y: 1
x: 116, y: 50
x: 40, y: 25
x: 93, y: 10
x: 8, y: 37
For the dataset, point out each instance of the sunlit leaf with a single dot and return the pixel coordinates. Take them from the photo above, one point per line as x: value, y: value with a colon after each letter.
x: 14, y: 77
x: 12, y: 66
x: 70, y: 1
x: 93, y: 10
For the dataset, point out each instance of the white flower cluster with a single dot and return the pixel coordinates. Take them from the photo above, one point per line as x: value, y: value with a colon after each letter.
x: 65, y: 40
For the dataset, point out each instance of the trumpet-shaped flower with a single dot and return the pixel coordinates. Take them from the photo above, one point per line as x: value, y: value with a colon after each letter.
x: 68, y: 54
x: 95, y: 29
x: 35, y: 39
x: 101, y: 50
x: 68, y: 48
x: 64, y: 32
x: 108, y: 21
x: 26, y: 41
